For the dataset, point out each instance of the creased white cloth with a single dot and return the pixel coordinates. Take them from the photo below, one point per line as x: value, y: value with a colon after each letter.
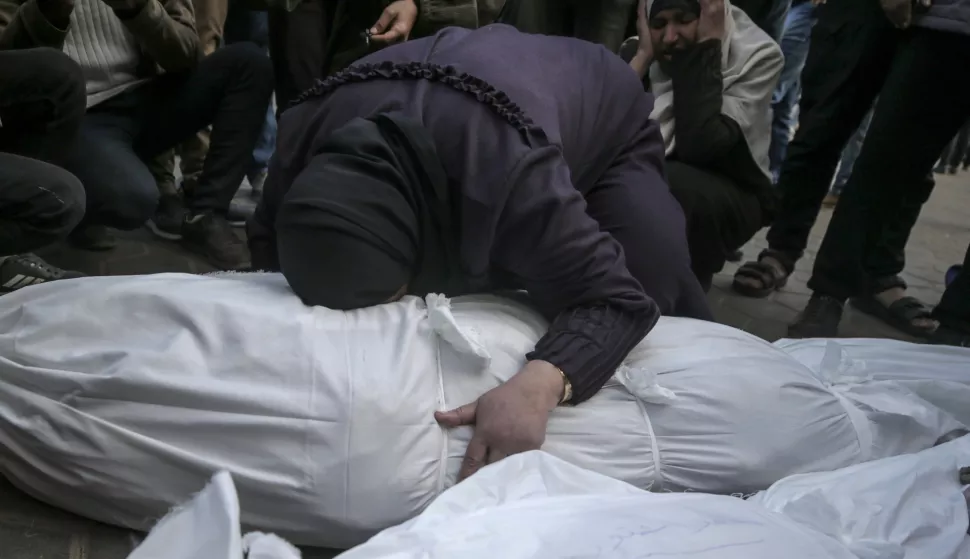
x: 750, y: 65
x: 121, y: 396
x: 535, y: 506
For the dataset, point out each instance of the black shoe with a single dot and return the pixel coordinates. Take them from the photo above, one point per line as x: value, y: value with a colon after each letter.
x: 735, y: 256
x: 22, y: 270
x: 92, y: 237
x: 952, y: 170
x: 168, y: 218
x: 819, y: 319
x: 211, y: 237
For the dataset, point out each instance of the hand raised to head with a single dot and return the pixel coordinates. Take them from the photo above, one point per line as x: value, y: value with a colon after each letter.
x: 711, y: 22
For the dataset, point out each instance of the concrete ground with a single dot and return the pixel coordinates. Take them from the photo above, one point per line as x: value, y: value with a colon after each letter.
x: 32, y: 530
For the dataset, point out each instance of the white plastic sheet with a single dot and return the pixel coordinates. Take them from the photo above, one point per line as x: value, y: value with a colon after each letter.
x: 905, y: 507
x: 938, y: 374
x: 119, y: 396
x: 536, y: 506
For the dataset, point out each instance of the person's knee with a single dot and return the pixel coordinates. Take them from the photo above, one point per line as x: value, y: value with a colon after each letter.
x: 251, y: 62
x: 61, y: 209
x: 698, y: 205
x: 63, y: 78
x: 70, y: 192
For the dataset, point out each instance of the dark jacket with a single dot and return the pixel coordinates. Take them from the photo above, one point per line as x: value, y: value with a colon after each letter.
x: 525, y: 127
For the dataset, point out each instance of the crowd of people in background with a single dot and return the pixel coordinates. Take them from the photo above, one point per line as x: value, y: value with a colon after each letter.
x: 765, y: 111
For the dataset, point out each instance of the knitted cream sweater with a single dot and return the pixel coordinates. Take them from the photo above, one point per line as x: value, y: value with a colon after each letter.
x: 106, y: 51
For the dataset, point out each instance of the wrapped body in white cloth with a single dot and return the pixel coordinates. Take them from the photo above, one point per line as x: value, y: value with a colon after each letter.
x: 121, y: 396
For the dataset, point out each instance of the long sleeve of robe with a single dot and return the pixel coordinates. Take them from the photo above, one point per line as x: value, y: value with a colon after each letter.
x: 706, y: 137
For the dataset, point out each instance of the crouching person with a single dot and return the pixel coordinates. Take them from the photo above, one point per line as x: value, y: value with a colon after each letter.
x: 41, y: 106
x: 712, y: 72
x: 147, y: 91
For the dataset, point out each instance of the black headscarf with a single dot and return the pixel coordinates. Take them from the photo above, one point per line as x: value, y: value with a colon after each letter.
x: 369, y: 214
x: 690, y: 6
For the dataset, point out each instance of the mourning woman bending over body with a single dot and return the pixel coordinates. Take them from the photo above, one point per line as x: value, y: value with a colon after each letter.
x: 473, y: 161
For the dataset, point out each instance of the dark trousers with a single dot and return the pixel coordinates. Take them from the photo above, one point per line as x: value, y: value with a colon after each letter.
x: 229, y: 89
x: 721, y: 216
x: 297, y: 43
x: 955, y: 152
x: 317, y: 38
x: 922, y: 106
x: 852, y: 48
x: 41, y: 105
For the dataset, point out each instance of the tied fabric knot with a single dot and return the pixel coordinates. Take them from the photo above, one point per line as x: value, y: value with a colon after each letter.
x: 443, y: 323
x: 642, y: 383
x: 838, y: 368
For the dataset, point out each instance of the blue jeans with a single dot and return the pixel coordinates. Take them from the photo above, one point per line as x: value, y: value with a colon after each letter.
x: 849, y: 155
x: 784, y: 102
x: 266, y: 144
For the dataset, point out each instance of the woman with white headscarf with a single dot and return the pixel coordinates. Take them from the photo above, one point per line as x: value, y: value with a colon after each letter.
x: 712, y: 72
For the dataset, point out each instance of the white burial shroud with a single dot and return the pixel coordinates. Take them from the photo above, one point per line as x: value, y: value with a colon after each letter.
x: 121, y: 396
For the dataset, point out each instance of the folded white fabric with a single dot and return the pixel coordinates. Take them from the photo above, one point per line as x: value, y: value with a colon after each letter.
x: 938, y: 374
x: 207, y: 527
x: 120, y: 396
x: 534, y: 505
x: 905, y: 507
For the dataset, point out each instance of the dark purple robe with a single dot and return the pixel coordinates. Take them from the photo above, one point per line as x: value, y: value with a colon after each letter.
x: 550, y: 211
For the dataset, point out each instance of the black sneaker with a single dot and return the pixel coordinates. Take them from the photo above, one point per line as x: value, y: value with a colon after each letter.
x: 23, y: 270
x: 819, y: 319
x: 168, y: 218
x: 211, y: 237
x: 92, y: 237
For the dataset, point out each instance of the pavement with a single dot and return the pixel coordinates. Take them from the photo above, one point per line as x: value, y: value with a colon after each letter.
x: 32, y: 530
x: 938, y: 241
